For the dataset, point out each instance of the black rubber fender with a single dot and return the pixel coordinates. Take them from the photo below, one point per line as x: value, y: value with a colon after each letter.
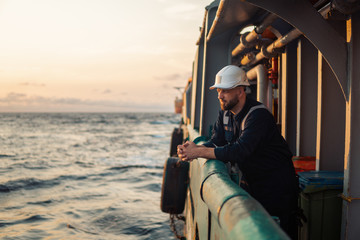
x: 174, y: 185
x: 176, y: 139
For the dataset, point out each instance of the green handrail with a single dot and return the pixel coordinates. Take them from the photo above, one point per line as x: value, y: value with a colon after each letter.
x: 238, y: 214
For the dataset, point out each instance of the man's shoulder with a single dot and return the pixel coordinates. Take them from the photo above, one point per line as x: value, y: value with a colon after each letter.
x: 252, y: 102
x: 260, y: 113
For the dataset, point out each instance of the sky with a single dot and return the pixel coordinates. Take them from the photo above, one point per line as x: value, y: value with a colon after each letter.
x: 96, y: 55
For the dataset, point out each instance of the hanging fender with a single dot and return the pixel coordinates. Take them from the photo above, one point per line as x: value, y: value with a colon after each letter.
x: 176, y: 139
x: 174, y: 185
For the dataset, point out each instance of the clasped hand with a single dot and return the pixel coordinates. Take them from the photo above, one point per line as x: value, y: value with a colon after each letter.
x: 187, y: 151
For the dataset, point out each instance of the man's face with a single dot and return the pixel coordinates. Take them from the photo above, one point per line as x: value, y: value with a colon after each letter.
x: 228, y: 98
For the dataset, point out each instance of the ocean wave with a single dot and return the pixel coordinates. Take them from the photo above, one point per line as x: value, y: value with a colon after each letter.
x: 34, y: 218
x: 124, y: 225
x: 4, y: 188
x: 35, y: 183
x: 81, y: 229
x: 160, y: 122
x: 157, y: 135
x: 41, y: 203
x: 137, y: 230
x: 34, y: 165
x: 6, y: 156
x: 135, y: 166
x: 27, y: 183
x: 153, y: 187
x: 31, y: 219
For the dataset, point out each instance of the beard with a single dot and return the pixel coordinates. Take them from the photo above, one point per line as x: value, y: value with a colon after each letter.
x: 229, y: 104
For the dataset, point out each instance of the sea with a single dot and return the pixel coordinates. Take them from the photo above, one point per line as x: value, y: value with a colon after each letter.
x: 83, y: 175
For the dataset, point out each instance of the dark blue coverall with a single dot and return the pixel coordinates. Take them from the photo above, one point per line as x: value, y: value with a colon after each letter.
x: 264, y: 159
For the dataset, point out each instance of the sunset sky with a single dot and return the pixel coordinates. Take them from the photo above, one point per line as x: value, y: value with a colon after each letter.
x: 96, y: 55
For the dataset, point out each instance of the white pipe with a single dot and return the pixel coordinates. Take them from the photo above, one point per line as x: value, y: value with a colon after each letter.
x: 295, y: 33
x: 253, y: 36
x: 259, y: 73
x: 281, y: 42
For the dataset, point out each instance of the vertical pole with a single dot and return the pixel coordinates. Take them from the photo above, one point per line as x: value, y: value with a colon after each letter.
x: 197, y: 86
x: 319, y: 104
x: 351, y: 206
x: 283, y: 95
x: 288, y: 98
x: 298, y: 98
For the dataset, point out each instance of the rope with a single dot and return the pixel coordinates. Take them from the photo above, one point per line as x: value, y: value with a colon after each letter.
x: 348, y: 199
x: 173, y: 225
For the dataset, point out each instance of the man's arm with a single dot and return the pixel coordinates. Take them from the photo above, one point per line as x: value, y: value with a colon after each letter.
x: 255, y: 131
x: 190, y: 151
x: 217, y: 137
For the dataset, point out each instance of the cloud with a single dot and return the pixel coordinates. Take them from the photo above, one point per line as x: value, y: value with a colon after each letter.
x: 13, y: 97
x: 32, y: 84
x: 23, y: 99
x: 174, y: 77
x: 22, y: 102
x: 181, y: 9
x: 145, y: 50
x: 185, y: 11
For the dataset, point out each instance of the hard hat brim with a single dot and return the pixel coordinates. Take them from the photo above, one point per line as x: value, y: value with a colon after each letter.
x: 228, y: 86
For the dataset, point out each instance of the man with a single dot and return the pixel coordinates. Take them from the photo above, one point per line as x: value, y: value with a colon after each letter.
x: 246, y: 135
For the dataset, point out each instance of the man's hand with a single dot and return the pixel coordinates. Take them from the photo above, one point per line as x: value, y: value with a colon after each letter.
x: 187, y: 151
x: 190, y: 151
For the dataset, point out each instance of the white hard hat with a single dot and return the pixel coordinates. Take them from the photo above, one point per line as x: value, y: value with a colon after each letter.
x: 229, y: 77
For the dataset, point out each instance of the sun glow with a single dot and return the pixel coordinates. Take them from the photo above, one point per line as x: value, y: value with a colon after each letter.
x: 95, y: 55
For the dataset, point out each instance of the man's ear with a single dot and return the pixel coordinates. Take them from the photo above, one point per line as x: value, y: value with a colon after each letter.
x: 241, y: 90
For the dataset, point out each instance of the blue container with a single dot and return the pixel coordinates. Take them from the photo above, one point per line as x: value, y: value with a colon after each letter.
x: 321, y: 204
x: 314, y: 181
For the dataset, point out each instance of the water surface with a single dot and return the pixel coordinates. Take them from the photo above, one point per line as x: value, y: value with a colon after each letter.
x: 83, y: 175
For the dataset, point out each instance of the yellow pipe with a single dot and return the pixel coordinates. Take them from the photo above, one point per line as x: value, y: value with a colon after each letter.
x: 217, y: 17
